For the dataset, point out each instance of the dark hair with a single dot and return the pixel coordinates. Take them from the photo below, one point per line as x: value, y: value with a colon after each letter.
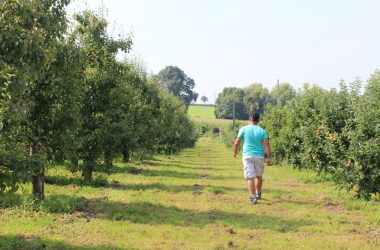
x: 255, y: 116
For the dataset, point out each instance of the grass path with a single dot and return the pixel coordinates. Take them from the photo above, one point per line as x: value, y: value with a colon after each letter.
x: 195, y: 200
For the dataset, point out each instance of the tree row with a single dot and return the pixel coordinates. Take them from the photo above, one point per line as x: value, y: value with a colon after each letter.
x: 65, y: 96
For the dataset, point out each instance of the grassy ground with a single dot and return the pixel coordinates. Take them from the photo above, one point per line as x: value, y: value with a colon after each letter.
x: 201, y: 111
x: 195, y: 200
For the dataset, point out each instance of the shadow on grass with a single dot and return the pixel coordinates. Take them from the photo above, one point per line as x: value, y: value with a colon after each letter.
x: 199, y: 166
x: 275, y: 191
x: 174, y: 174
x: 36, y: 243
x: 210, y: 162
x: 291, y: 201
x: 172, y: 188
x: 157, y: 214
x: 64, y: 180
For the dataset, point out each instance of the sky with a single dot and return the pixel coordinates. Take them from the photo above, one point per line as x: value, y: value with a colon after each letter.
x: 234, y: 43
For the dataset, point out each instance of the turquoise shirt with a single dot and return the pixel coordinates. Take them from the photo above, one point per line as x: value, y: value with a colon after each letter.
x: 252, y: 136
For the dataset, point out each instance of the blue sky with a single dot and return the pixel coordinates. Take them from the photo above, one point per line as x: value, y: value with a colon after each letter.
x: 224, y: 43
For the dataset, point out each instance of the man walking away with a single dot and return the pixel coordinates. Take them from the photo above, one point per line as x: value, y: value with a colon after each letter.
x: 255, y: 146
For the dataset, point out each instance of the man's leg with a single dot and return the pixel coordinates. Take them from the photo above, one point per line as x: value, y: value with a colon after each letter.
x: 259, y: 169
x: 251, y: 187
x: 259, y: 183
x: 249, y: 174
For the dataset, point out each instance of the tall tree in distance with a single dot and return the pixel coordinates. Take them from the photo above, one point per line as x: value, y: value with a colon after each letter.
x: 174, y: 80
x: 287, y: 92
x: 256, y: 97
x: 225, y: 102
x: 204, y: 99
x: 372, y: 90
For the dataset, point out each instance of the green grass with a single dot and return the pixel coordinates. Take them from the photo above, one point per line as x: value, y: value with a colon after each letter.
x: 194, y: 200
x: 201, y: 111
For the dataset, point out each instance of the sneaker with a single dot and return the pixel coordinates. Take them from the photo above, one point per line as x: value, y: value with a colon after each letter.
x: 258, y: 196
x: 253, y: 200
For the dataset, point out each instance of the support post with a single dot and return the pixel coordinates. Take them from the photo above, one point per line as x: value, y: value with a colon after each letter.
x: 233, y: 116
x: 278, y: 93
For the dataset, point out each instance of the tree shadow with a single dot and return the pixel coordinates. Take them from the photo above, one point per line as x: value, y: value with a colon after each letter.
x: 171, y: 188
x: 64, y: 180
x: 157, y: 214
x: 174, y: 174
x: 182, y: 166
x: 8, y: 200
x: 275, y: 191
x: 290, y: 201
x: 210, y: 162
x: 36, y: 243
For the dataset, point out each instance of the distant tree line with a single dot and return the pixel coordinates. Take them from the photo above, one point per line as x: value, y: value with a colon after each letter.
x: 65, y: 97
x: 252, y: 98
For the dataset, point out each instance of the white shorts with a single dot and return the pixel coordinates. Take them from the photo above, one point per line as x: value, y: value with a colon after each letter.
x: 253, y: 166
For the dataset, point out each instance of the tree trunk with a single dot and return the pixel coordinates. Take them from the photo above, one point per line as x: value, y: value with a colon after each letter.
x: 126, y: 154
x: 108, y: 161
x: 38, y: 185
x: 74, y: 162
x: 88, y: 166
x: 38, y: 178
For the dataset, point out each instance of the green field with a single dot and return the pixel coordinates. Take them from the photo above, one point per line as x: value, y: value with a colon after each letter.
x: 201, y: 111
x: 194, y: 200
x: 204, y: 116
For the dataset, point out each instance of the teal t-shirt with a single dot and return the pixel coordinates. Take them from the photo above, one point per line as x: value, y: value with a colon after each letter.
x: 252, y: 136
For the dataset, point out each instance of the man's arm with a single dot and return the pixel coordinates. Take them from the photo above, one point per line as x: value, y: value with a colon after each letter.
x: 267, y: 151
x: 236, y: 146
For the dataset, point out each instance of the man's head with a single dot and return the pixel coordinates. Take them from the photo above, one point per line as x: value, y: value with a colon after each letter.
x: 254, y: 117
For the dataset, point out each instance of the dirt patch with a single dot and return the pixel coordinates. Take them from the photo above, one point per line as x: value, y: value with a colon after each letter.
x: 150, y: 163
x: 70, y: 218
x: 293, y: 183
x: 230, y: 230
x: 133, y: 170
x: 374, y: 236
x: 231, y: 244
x: 333, y: 207
x: 25, y: 238
x: 116, y: 185
x: 197, y: 189
x: 322, y: 198
x: 88, y: 206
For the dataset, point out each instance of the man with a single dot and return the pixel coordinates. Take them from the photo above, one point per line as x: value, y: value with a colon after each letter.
x: 255, y: 146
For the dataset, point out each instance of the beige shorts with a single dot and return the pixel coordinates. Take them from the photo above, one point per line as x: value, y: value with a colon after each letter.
x: 253, y: 166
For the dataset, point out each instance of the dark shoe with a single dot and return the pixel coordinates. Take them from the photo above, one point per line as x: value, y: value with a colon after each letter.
x: 258, y: 196
x: 253, y: 200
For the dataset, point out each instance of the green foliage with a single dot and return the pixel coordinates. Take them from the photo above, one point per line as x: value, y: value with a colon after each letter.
x: 253, y: 98
x: 104, y: 95
x: 335, y: 132
x: 33, y: 81
x: 256, y: 97
x: 287, y: 93
x: 176, y: 130
x: 174, y: 80
x: 225, y: 101
x: 204, y: 99
x: 64, y: 96
x: 373, y: 87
